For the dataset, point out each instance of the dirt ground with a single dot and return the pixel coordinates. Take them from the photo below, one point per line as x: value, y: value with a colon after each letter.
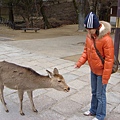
x: 66, y: 30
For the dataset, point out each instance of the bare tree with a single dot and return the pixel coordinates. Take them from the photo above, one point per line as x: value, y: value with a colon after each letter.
x: 101, y: 8
x: 10, y: 4
x: 46, y: 22
x: 83, y: 10
x: 104, y: 9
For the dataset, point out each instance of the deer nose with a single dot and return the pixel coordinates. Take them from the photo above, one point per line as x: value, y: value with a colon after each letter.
x: 68, y: 88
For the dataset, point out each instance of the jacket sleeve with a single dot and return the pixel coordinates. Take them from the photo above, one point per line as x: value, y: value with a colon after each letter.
x: 109, y: 59
x: 83, y: 57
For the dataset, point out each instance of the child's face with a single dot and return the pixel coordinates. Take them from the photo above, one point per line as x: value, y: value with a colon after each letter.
x: 91, y: 31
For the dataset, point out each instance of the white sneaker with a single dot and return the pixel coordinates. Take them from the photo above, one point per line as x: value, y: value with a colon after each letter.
x: 95, y: 118
x: 87, y: 113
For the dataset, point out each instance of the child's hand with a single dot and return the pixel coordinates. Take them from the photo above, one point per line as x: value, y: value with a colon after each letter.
x: 76, y: 66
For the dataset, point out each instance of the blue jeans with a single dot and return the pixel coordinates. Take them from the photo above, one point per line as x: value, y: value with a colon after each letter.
x: 98, y: 102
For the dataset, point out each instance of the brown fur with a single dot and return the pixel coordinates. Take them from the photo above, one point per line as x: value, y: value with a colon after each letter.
x: 26, y: 79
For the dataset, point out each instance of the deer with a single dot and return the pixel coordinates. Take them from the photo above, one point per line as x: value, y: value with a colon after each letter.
x: 23, y: 79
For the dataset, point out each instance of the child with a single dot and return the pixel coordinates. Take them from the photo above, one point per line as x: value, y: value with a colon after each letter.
x: 99, y: 36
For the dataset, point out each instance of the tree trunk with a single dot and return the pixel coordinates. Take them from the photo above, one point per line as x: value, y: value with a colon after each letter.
x: 11, y: 16
x: 11, y: 23
x: 76, y: 8
x: 46, y: 22
x: 92, y: 5
x: 82, y: 13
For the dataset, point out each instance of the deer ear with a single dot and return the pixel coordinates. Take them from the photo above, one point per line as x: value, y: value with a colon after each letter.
x: 49, y: 73
x: 55, y: 71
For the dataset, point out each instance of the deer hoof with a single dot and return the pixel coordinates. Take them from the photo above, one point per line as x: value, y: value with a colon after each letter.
x: 35, y: 111
x: 22, y: 114
x: 7, y: 111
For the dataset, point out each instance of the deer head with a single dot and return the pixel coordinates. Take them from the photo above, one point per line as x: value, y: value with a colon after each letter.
x: 57, y: 81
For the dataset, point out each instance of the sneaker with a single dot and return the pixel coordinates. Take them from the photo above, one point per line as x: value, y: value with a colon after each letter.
x: 95, y: 118
x: 87, y: 113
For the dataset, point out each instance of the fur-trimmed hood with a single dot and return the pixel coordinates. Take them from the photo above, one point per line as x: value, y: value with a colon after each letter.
x: 105, y: 29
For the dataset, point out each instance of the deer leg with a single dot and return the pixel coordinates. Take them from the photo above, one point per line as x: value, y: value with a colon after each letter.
x: 20, y: 94
x: 2, y: 98
x: 30, y: 95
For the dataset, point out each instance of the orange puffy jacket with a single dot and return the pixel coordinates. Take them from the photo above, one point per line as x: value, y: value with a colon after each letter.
x: 104, y: 44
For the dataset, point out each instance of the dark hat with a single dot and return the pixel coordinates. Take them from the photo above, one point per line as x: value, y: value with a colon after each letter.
x: 91, y: 21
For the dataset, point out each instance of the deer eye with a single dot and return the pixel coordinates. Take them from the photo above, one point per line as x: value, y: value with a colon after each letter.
x: 59, y: 81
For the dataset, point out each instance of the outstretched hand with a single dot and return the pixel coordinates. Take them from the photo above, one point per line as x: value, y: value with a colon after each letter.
x: 76, y: 66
